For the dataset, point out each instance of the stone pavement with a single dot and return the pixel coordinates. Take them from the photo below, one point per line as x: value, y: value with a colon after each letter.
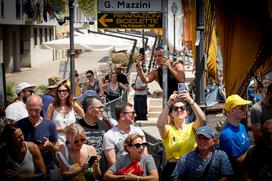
x: 39, y: 75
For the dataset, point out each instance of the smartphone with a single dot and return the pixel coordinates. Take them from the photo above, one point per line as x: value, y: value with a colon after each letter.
x: 142, y: 51
x: 91, y: 160
x: 181, y: 87
x: 38, y: 142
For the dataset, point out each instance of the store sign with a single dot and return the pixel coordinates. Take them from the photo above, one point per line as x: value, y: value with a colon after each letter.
x: 130, y: 20
x: 130, y: 6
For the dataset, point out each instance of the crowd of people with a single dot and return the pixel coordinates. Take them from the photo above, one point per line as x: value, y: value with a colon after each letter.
x: 58, y: 137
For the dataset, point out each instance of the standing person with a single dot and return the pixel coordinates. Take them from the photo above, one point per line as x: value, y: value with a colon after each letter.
x: 92, y: 83
x: 234, y: 139
x: 113, y: 141
x: 136, y: 165
x: 94, y: 127
x: 178, y: 138
x: 17, y: 110
x: 62, y: 111
x: 121, y: 77
x: 41, y: 131
x: 205, y: 163
x: 140, y: 99
x: 23, y: 160
x: 113, y: 89
x: 50, y: 94
x: 260, y: 112
x: 175, y: 73
x: 74, y: 156
x: 77, y: 87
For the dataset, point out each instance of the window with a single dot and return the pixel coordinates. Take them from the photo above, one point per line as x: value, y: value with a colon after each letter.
x: 2, y: 8
x: 45, y: 35
x: 18, y: 9
x: 35, y: 36
x: 50, y: 34
x: 41, y: 35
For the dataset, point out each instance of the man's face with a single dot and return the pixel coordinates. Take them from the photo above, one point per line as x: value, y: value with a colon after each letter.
x: 26, y: 93
x: 204, y: 143
x: 240, y: 112
x: 128, y: 115
x: 34, y: 108
x: 96, y: 110
x: 159, y: 56
x: 118, y: 69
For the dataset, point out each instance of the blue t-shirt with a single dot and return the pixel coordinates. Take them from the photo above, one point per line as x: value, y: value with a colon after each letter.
x: 45, y: 129
x: 192, y: 167
x: 46, y: 100
x: 234, y: 140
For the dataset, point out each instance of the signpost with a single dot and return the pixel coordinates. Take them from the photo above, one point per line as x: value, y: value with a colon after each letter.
x: 130, y: 6
x: 129, y: 20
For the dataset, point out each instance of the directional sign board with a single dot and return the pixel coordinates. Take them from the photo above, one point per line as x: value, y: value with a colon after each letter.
x: 130, y: 6
x: 129, y: 20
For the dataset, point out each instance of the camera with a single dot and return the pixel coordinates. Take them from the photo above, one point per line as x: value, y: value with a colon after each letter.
x: 91, y: 160
x: 142, y: 52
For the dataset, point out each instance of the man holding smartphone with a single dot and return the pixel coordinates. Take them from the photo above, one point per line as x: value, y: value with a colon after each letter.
x: 175, y: 72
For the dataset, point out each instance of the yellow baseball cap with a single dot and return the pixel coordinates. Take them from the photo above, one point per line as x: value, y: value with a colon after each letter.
x: 235, y: 100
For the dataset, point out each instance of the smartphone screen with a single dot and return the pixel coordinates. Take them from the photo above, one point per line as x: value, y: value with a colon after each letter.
x: 181, y: 87
x: 91, y: 160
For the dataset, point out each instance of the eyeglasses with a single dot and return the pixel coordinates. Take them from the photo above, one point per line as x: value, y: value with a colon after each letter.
x: 62, y: 90
x: 176, y: 108
x: 81, y: 141
x: 98, y: 107
x: 158, y: 55
x: 138, y: 145
x: 130, y: 113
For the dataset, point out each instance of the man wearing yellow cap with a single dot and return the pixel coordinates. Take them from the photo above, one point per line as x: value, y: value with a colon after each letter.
x: 234, y: 139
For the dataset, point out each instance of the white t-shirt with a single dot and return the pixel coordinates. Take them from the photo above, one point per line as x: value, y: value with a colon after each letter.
x: 138, y: 84
x: 16, y: 111
x: 114, y: 139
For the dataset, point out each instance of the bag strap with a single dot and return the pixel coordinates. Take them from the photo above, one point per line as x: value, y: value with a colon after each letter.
x: 204, y: 175
x: 62, y: 157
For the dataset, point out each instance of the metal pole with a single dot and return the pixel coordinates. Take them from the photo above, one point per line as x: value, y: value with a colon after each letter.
x: 143, y: 41
x: 72, y: 49
x: 200, y: 58
x: 165, y: 40
x: 174, y: 52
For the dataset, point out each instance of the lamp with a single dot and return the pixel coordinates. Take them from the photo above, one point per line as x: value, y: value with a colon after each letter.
x: 174, y: 9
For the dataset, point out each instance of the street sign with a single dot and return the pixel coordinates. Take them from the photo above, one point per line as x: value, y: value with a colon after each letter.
x: 130, y: 20
x: 130, y: 6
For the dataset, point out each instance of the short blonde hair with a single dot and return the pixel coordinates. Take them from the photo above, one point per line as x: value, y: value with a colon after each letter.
x: 73, y: 130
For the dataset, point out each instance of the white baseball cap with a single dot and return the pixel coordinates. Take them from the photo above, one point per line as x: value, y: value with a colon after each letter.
x: 23, y: 86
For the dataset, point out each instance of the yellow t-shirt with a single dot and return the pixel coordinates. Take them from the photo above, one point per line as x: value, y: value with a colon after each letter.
x: 76, y: 87
x: 179, y: 142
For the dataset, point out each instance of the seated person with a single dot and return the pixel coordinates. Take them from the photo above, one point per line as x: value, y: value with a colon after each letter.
x: 136, y: 165
x: 74, y: 156
x: 205, y: 162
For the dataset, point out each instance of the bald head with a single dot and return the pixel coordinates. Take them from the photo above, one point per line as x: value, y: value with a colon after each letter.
x: 34, y: 106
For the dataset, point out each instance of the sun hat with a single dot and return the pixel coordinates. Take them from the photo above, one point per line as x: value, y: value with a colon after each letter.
x: 235, y: 100
x: 23, y: 86
x: 206, y: 131
x: 88, y: 93
x: 54, y: 81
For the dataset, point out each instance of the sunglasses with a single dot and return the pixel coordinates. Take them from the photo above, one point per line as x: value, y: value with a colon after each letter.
x: 30, y: 91
x: 99, y: 107
x: 89, y: 76
x: 63, y: 90
x: 81, y: 141
x: 130, y: 113
x: 176, y: 108
x: 139, y: 145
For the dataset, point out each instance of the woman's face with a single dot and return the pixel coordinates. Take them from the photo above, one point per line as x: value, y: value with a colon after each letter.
x: 89, y: 76
x: 78, y: 142
x: 113, y: 77
x: 63, y: 92
x: 136, y: 149
x: 179, y: 111
x: 17, y: 139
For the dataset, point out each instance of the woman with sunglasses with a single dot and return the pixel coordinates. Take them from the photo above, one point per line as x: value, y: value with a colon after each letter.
x: 74, y: 157
x: 92, y: 83
x: 62, y: 110
x: 136, y: 165
x: 178, y: 138
x: 113, y: 89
